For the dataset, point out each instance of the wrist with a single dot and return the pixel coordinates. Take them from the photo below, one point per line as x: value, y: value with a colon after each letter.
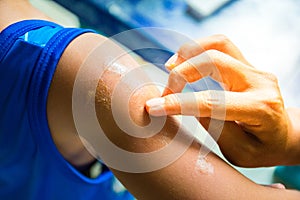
x: 293, y: 152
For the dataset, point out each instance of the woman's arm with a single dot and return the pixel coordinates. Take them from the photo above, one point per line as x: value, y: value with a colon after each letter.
x: 183, y: 179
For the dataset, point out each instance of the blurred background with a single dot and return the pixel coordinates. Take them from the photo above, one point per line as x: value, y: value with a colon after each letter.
x: 267, y: 32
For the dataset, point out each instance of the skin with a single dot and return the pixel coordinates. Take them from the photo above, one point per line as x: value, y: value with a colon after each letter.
x: 269, y: 134
x: 180, y: 180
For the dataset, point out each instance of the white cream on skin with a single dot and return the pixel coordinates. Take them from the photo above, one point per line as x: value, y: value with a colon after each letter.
x: 203, y: 166
x: 117, y: 68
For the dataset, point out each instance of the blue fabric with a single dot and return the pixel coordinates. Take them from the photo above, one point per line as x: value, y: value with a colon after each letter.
x: 289, y: 176
x: 30, y: 165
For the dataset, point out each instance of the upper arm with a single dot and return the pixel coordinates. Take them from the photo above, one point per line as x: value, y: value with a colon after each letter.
x: 182, y: 178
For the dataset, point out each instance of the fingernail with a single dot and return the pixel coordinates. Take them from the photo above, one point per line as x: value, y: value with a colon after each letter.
x: 170, y: 64
x: 155, y: 106
x: 155, y: 102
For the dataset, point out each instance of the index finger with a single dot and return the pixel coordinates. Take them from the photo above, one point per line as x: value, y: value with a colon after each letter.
x: 215, y: 64
x: 215, y: 42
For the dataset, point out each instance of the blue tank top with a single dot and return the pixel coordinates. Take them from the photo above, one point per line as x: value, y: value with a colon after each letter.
x: 30, y: 165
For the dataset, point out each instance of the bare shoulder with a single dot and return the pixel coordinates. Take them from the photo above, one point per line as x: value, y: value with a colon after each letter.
x: 14, y: 11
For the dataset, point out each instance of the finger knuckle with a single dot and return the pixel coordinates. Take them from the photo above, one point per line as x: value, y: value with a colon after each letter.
x: 204, y: 101
x: 174, y: 74
x: 171, y: 100
x: 221, y: 40
x: 181, y: 51
x: 215, y: 58
x: 275, y: 103
x: 172, y: 104
x: 272, y: 77
x: 271, y: 107
x: 176, y: 78
x: 212, y: 53
x: 188, y: 50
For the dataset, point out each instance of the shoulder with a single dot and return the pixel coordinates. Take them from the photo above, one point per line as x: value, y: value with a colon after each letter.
x: 59, y: 101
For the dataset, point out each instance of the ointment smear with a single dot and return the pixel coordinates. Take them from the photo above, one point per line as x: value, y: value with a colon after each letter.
x: 204, y: 166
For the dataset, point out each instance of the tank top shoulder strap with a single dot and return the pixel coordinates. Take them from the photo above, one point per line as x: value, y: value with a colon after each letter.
x: 10, y: 34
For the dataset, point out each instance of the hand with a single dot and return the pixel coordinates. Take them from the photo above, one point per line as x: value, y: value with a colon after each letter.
x: 260, y: 132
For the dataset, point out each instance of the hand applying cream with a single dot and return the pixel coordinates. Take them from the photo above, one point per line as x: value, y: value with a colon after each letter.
x: 252, y: 101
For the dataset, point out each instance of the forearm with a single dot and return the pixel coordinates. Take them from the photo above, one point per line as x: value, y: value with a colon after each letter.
x: 183, y: 179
